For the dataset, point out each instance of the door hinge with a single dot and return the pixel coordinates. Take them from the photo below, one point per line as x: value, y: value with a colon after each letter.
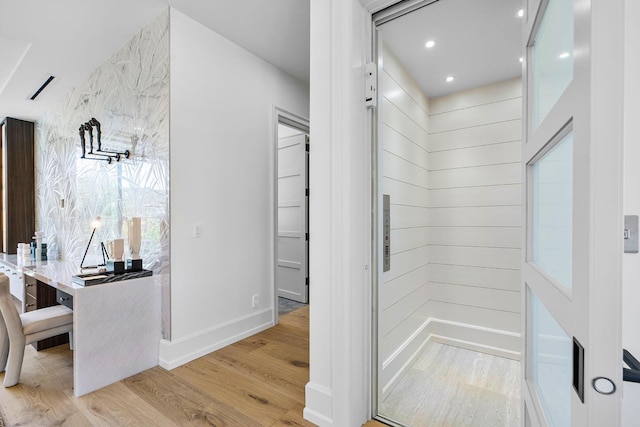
x: 306, y: 192
x: 306, y: 143
x: 306, y: 236
x: 371, y: 85
x: 307, y: 281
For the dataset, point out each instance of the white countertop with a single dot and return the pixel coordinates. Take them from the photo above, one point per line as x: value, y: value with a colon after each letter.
x: 56, y: 274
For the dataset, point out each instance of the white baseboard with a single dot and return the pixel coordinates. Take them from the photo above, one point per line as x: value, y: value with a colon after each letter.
x: 471, y: 337
x: 319, y: 405
x: 480, y: 348
x: 183, y: 350
x: 497, y: 342
x: 402, y: 358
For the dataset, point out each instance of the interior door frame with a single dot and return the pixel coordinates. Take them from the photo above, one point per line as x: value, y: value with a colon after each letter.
x: 401, y: 7
x: 604, y: 57
x: 376, y: 210
x: 285, y: 117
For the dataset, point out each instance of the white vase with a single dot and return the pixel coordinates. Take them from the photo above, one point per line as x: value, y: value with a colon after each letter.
x: 116, y: 249
x: 134, y: 237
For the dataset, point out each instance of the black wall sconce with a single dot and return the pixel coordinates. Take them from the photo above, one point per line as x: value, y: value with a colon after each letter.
x: 99, y: 153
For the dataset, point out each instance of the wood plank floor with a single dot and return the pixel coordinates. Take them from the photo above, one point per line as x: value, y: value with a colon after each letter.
x: 256, y: 382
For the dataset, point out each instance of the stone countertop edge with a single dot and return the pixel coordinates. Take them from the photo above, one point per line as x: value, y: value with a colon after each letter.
x: 55, y: 273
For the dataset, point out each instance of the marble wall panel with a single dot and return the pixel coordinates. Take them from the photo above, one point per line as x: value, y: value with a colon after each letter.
x: 129, y: 95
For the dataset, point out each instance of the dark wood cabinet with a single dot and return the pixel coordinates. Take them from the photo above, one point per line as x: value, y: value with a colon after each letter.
x: 17, y: 178
x: 40, y: 295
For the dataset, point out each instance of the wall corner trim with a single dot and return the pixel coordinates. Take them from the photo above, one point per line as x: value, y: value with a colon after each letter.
x: 183, y: 350
x: 319, y: 404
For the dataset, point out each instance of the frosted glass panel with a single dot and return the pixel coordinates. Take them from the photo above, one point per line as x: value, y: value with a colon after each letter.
x: 551, y: 367
x: 552, y: 182
x: 552, y: 63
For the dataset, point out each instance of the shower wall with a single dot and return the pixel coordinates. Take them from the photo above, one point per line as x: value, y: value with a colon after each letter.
x: 451, y: 166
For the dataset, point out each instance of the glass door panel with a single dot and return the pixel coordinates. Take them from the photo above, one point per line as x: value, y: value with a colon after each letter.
x: 552, y: 61
x: 551, y: 366
x: 551, y: 211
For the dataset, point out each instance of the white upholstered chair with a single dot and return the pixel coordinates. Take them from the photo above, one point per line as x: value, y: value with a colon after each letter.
x: 18, y: 330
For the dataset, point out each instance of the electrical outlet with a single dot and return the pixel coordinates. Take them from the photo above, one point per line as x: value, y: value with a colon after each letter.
x: 255, y: 301
x: 197, y: 230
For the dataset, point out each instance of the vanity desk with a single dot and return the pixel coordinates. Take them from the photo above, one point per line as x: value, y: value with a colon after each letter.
x: 116, y: 325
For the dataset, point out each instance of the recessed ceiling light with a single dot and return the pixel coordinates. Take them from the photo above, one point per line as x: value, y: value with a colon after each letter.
x: 520, y: 13
x: 521, y: 59
x: 449, y: 79
x: 430, y: 44
x: 563, y: 55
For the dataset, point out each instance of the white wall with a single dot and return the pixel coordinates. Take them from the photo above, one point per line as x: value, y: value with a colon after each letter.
x: 338, y: 392
x: 451, y: 166
x: 222, y: 177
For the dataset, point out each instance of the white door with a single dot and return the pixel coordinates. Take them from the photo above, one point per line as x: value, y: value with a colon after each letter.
x: 291, y: 269
x: 573, y: 172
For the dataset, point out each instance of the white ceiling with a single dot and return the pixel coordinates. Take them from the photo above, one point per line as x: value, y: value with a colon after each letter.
x: 70, y: 38
x: 477, y: 41
x: 275, y: 30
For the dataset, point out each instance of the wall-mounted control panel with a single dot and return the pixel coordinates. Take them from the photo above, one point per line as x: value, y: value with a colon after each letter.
x: 386, y: 232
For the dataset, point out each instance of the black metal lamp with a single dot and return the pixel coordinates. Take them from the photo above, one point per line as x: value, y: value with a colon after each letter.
x: 95, y: 224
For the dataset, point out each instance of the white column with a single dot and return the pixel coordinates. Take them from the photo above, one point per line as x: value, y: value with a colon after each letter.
x: 338, y: 393
x: 631, y: 262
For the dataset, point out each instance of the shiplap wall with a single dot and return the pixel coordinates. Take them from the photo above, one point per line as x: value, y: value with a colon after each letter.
x: 474, y: 218
x: 451, y: 166
x: 404, y: 170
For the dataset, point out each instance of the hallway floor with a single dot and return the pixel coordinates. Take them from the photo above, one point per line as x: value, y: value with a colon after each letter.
x: 451, y: 386
x: 258, y: 381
